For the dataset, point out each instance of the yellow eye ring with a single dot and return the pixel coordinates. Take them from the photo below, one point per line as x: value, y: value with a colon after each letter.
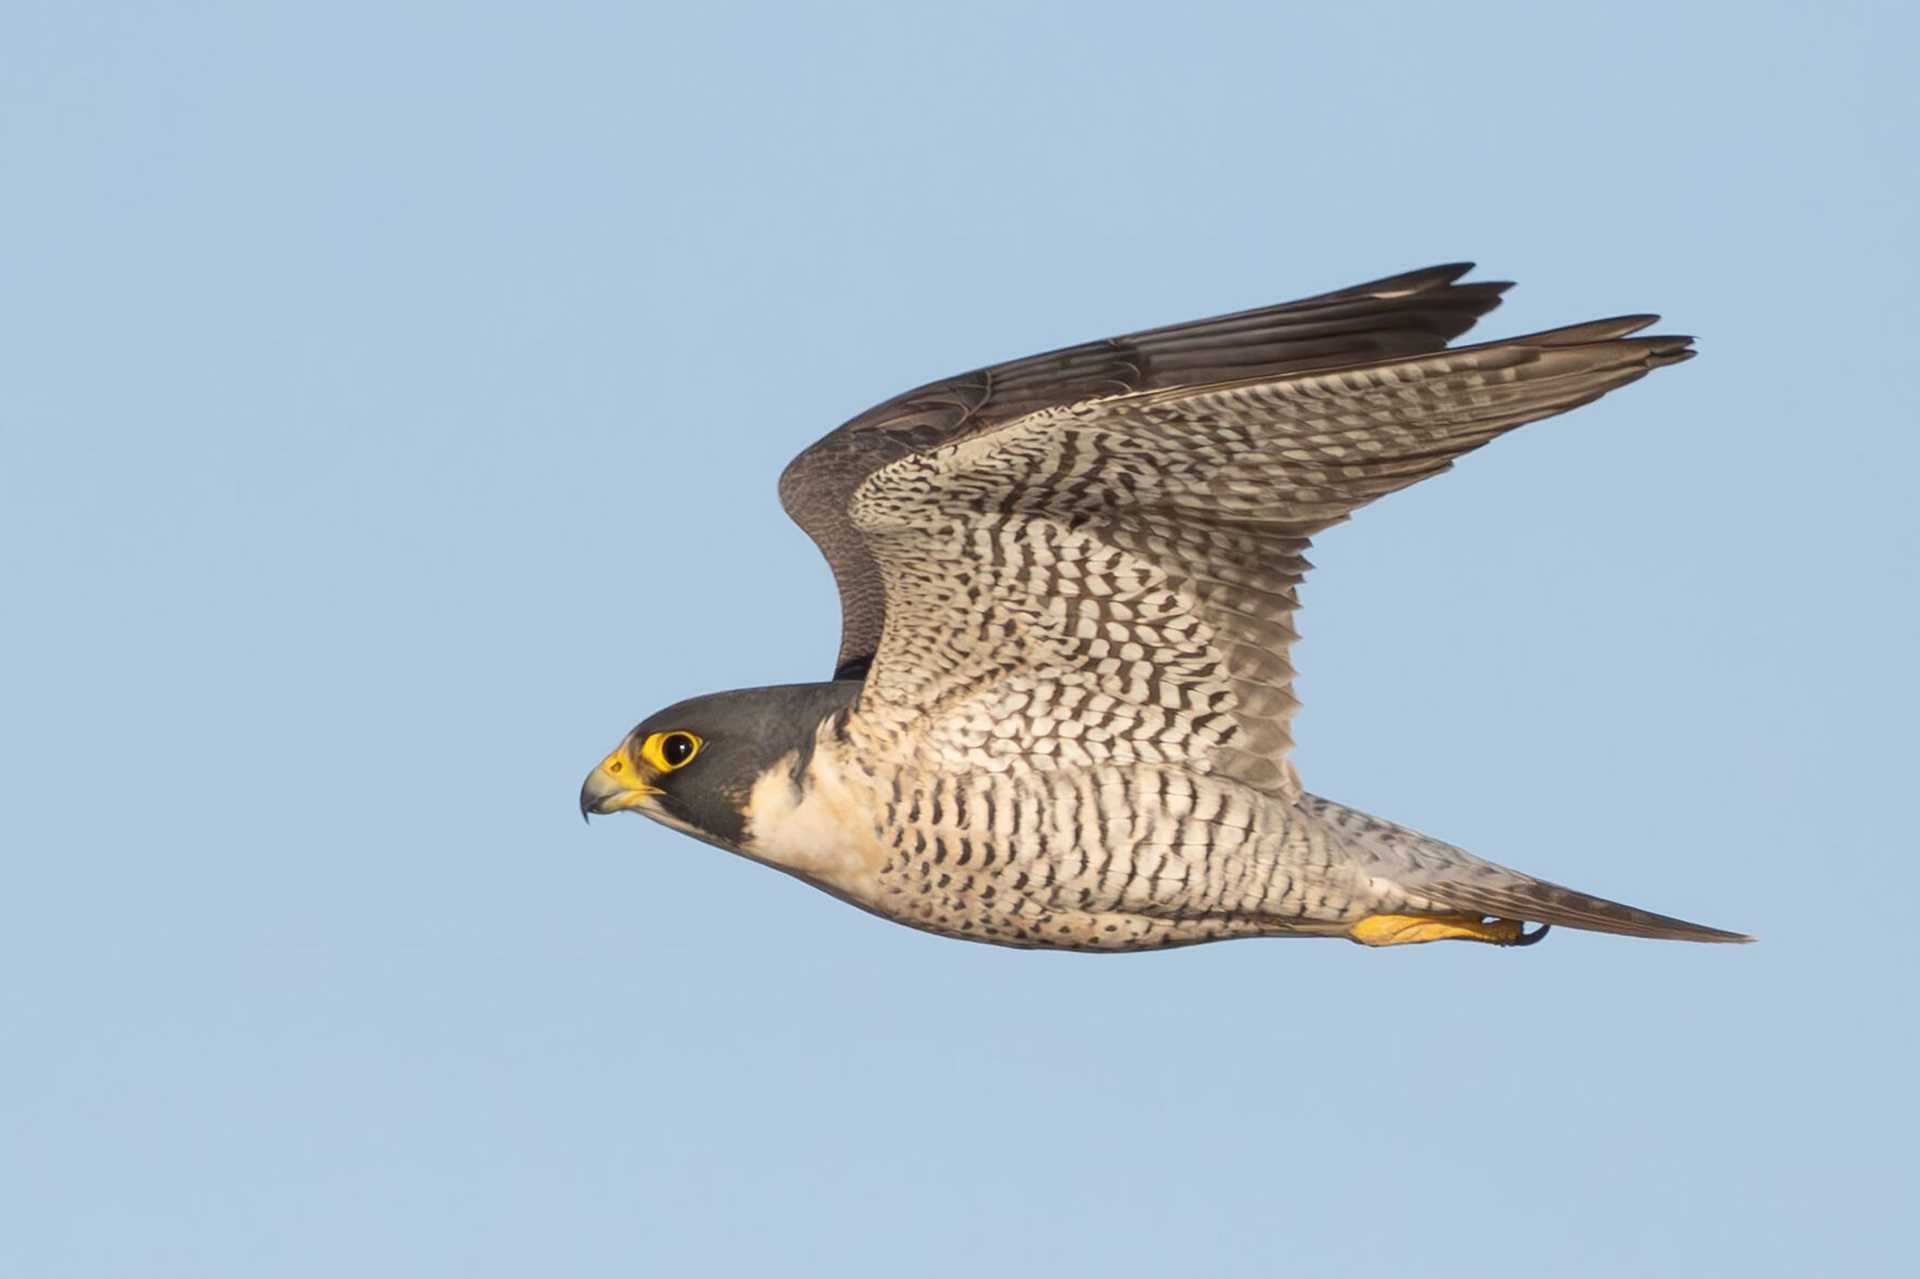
x: 664, y: 752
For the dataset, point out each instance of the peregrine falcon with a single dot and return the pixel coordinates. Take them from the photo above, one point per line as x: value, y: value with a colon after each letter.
x: 1060, y: 715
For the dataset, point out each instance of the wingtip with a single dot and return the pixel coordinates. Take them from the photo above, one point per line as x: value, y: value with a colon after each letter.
x: 1655, y: 348
x: 1425, y: 279
x: 1666, y: 348
x: 1614, y: 326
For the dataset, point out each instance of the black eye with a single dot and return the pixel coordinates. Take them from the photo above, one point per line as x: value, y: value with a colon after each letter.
x: 676, y: 749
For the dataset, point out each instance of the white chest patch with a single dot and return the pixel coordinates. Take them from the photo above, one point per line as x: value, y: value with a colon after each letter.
x: 823, y: 829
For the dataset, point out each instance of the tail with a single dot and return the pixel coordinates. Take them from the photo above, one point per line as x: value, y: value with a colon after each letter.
x: 1494, y: 890
x: 1440, y: 878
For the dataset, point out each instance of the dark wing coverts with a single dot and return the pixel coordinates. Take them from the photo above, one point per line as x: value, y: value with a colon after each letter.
x: 1093, y: 555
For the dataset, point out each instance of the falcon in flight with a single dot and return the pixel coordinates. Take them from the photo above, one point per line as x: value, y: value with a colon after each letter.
x: 1067, y: 586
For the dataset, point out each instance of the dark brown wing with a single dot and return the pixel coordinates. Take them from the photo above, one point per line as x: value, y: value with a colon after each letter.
x: 1402, y: 315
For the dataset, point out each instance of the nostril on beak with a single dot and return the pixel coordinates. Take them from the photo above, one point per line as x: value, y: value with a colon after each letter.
x: 605, y: 793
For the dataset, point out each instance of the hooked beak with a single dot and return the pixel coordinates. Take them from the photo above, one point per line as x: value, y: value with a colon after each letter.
x: 614, y: 787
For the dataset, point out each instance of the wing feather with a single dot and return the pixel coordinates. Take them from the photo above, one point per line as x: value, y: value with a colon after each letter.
x: 1407, y: 314
x: 1114, y: 580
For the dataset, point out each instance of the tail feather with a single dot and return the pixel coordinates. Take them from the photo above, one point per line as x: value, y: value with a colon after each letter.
x: 1444, y: 879
x: 1510, y: 895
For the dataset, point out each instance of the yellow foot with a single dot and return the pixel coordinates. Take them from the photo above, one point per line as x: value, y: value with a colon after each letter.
x: 1409, y: 930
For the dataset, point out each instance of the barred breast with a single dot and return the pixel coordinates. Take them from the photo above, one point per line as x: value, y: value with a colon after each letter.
x: 1075, y: 858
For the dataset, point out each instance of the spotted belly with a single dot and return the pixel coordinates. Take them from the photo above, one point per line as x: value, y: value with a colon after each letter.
x: 1103, y: 858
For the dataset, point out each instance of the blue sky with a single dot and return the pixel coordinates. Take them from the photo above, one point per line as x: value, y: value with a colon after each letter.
x: 391, y: 405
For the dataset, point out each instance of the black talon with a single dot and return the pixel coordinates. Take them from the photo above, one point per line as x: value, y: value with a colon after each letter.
x: 1529, y: 938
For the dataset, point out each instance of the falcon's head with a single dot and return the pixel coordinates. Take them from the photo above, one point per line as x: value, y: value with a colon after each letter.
x: 693, y: 765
